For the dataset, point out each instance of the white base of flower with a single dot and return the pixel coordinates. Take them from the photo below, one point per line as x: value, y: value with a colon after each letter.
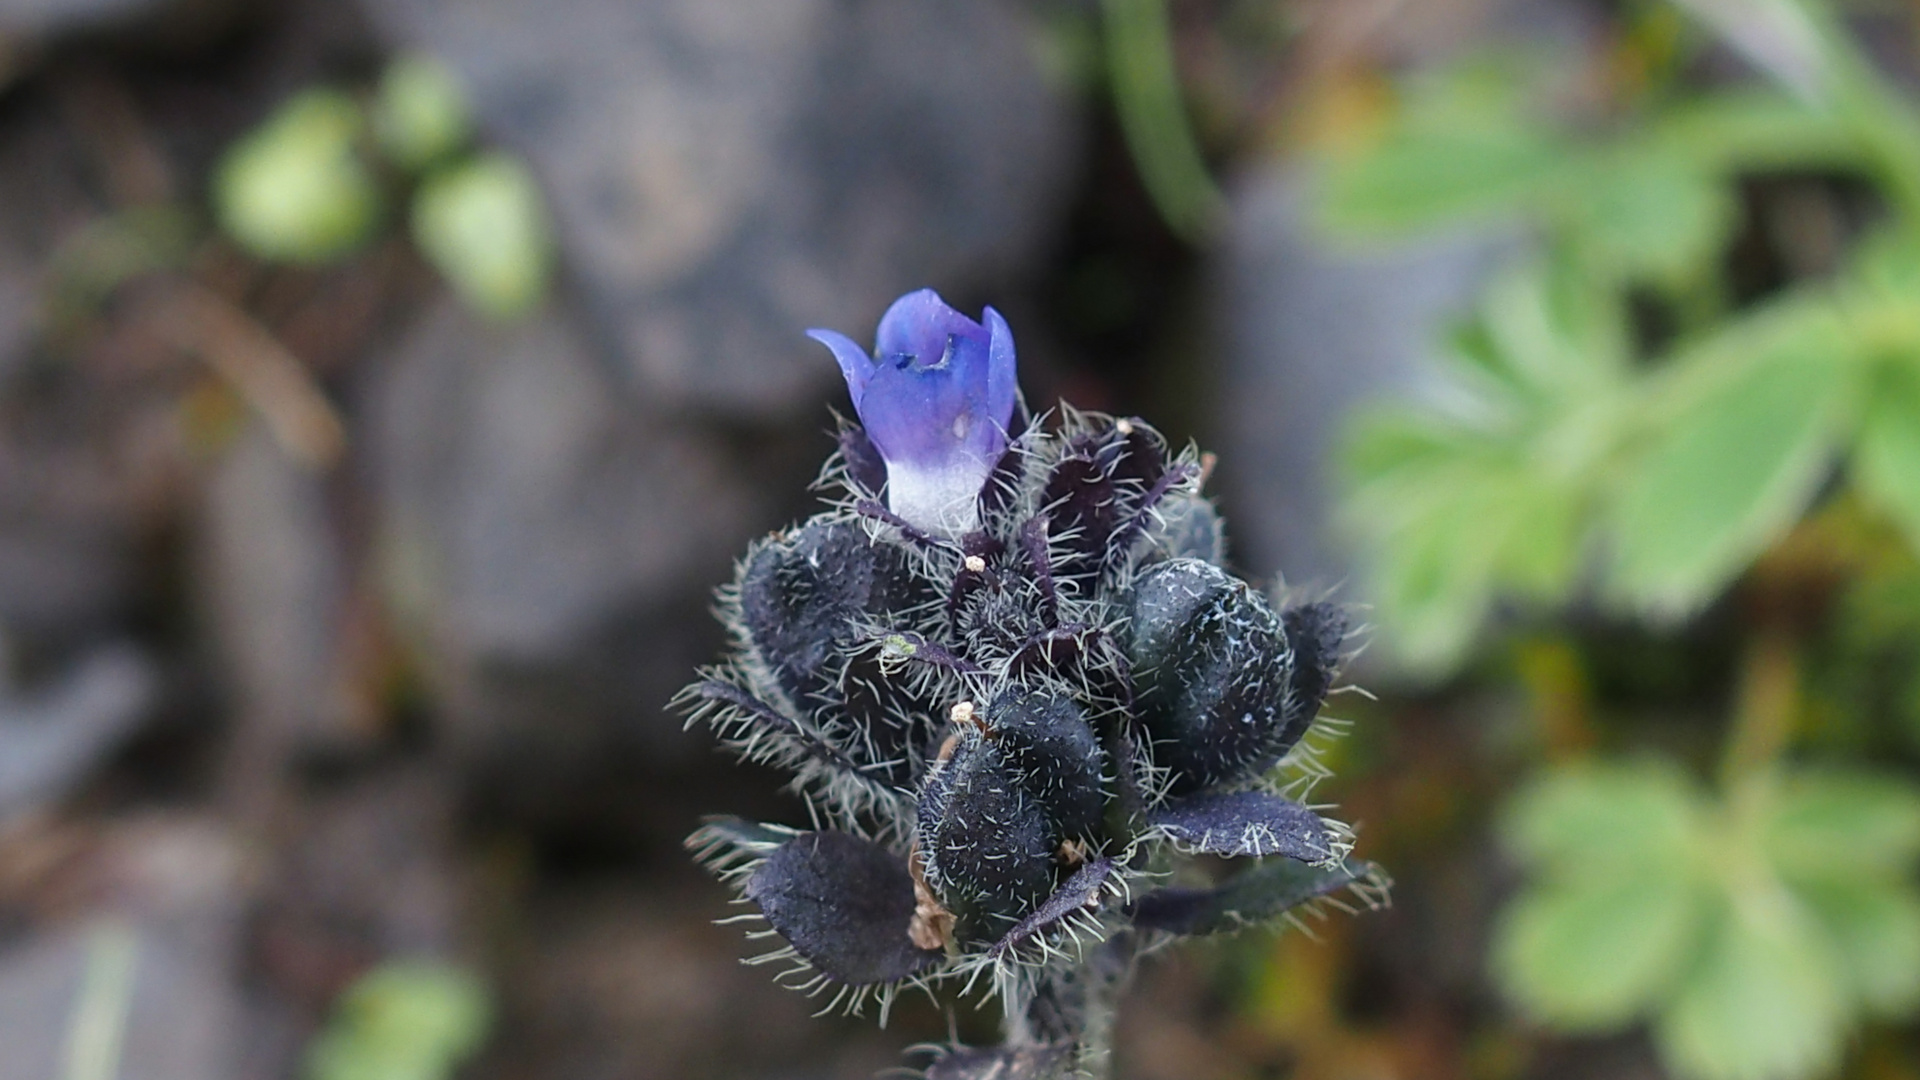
x: 944, y: 502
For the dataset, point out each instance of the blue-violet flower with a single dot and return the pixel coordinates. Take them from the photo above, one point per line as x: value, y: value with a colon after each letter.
x: 935, y: 397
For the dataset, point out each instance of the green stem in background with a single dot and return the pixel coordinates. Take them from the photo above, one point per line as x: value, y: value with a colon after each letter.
x: 1876, y: 112
x: 1146, y: 95
x: 1556, y: 679
x: 1769, y: 701
x: 100, y: 1010
x: 1806, y: 46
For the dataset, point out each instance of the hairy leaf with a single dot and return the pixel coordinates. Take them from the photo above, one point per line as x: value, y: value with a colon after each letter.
x: 1254, y: 896
x: 843, y: 903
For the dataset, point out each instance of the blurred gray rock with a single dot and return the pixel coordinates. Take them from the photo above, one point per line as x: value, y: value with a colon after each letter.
x: 550, y: 542
x: 725, y: 174
x: 146, y: 24
x: 19, y: 307
x: 271, y: 576
x: 1312, y: 328
x: 51, y: 739
x: 40, y: 18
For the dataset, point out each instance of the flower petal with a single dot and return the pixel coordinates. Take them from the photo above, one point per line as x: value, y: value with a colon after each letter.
x: 920, y: 325
x: 1242, y: 823
x: 855, y: 365
x: 843, y: 903
x: 1002, y: 374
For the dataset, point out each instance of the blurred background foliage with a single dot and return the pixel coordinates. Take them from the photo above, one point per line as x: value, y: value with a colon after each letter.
x: 385, y: 385
x: 311, y: 182
x: 1631, y: 432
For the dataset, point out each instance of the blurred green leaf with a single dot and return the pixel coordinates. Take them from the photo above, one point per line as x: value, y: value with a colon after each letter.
x: 1422, y: 179
x: 1451, y: 528
x: 1418, y: 179
x: 1736, y: 452
x: 1465, y: 143
x: 1147, y: 99
x: 1635, y: 210
x: 419, y: 114
x: 1489, y: 499
x: 1591, y: 955
x: 1546, y: 332
x: 1887, y: 264
x: 1842, y: 827
x: 1876, y: 928
x: 484, y: 225
x: 294, y: 188
x: 1886, y: 454
x: 1766, y: 1001
x: 402, y: 1021
x: 1754, y: 130
x: 1605, y: 819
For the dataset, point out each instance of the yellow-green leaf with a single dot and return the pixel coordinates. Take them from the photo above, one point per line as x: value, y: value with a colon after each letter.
x: 1590, y: 956
x: 1766, y: 1001
x: 420, y: 113
x: 1730, y: 472
x: 484, y: 225
x: 1606, y: 820
x: 294, y: 188
x: 1876, y: 928
x: 1886, y: 456
x: 1842, y: 827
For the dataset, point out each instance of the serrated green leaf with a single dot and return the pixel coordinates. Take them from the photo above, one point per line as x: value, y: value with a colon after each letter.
x: 1730, y: 472
x: 1384, y: 445
x: 1842, y: 827
x: 1606, y: 819
x: 1875, y: 927
x: 1465, y: 144
x: 1748, y: 130
x: 1590, y: 956
x: 1636, y: 210
x: 294, y: 188
x: 1766, y: 1000
x: 1554, y: 323
x: 1886, y: 453
x: 1450, y: 533
x: 1419, y: 179
x: 420, y: 114
x: 484, y: 226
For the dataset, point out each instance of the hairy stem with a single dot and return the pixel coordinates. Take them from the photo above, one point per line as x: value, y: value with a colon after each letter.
x: 1075, y: 1006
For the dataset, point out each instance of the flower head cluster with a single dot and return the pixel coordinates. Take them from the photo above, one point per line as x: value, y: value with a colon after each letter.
x: 1010, y: 676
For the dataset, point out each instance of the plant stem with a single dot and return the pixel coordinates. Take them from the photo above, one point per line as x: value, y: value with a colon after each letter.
x: 1769, y: 700
x: 1076, y: 1006
x: 1146, y: 95
x: 100, y: 1010
x: 1877, y: 113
